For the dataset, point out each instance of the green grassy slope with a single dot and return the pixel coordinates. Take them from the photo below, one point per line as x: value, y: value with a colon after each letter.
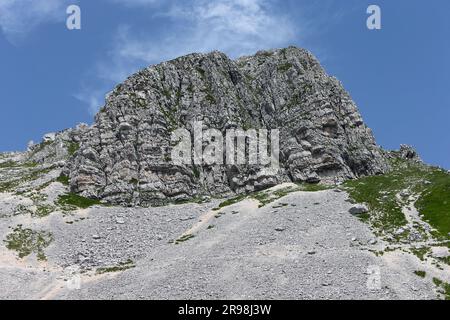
x: 387, y: 194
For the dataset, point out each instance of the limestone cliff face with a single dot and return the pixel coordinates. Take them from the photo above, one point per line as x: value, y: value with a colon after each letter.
x: 322, y: 134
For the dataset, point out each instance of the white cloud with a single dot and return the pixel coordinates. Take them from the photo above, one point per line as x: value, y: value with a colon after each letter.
x: 92, y: 98
x: 19, y: 17
x: 236, y: 27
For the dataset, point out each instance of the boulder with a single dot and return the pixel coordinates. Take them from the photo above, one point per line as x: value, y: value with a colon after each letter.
x: 359, y: 209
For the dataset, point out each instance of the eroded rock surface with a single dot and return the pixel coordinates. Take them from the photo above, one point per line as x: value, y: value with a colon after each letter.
x: 125, y: 156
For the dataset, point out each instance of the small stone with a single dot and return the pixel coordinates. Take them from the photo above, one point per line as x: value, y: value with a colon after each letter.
x: 120, y: 221
x: 404, y: 194
x: 359, y: 209
x: 373, y: 241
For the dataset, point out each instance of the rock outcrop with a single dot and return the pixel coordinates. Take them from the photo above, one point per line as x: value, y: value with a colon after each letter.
x: 124, y: 157
x: 57, y: 147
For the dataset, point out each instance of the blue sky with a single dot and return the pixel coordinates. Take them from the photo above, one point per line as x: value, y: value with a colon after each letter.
x: 52, y: 78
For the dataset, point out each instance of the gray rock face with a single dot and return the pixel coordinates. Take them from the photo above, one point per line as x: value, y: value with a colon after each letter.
x: 408, y: 153
x: 57, y: 147
x: 124, y: 157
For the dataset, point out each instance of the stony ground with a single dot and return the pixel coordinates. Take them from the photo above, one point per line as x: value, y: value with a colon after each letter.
x: 310, y: 249
x: 299, y: 245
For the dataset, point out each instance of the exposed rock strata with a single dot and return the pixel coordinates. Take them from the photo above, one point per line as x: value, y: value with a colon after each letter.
x: 124, y: 157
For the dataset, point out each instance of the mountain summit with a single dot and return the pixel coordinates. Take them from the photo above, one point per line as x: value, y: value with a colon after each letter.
x: 125, y: 156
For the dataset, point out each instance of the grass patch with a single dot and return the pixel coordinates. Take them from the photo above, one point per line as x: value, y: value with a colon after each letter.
x: 74, y: 200
x: 169, y: 117
x: 72, y: 148
x: 266, y: 197
x: 420, y: 252
x: 201, y: 71
x: 196, y: 172
x: 437, y: 281
x: 311, y: 187
x: 443, y: 288
x: 27, y: 241
x: 364, y: 217
x: 122, y: 266
x: 445, y: 260
x: 231, y: 201
x: 8, y: 186
x: 30, y: 164
x: 420, y: 273
x: 8, y: 164
x: 63, y: 179
x: 434, y: 203
x: 210, y: 98
x: 12, y: 164
x: 197, y: 199
x: 44, y: 210
x: 184, y: 238
x: 284, y: 67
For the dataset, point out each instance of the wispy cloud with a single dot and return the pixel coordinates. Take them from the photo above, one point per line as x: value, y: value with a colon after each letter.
x: 236, y: 27
x: 19, y: 17
x: 92, y: 97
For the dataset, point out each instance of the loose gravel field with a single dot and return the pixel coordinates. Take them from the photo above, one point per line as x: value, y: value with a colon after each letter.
x: 305, y: 245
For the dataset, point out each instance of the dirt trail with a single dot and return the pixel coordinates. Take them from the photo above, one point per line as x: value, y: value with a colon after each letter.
x: 246, y: 206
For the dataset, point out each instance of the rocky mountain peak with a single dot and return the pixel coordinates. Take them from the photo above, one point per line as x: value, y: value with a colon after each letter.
x: 125, y: 157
